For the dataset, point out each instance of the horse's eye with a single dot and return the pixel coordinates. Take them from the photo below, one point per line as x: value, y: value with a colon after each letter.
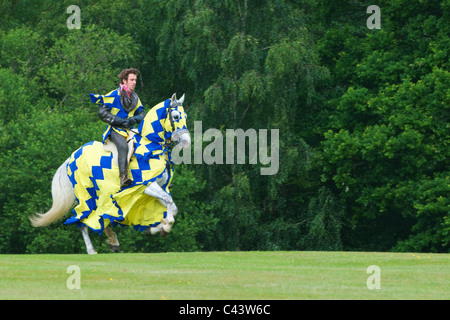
x: 176, y: 115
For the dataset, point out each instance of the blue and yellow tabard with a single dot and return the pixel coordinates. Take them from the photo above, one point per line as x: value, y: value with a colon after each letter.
x: 112, y: 102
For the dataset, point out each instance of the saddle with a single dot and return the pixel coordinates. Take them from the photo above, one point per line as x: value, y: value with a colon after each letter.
x: 109, y: 146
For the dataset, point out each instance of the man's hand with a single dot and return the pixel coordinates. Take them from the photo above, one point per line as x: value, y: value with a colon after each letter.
x: 131, y: 121
x: 136, y: 119
x: 126, y: 123
x: 120, y: 122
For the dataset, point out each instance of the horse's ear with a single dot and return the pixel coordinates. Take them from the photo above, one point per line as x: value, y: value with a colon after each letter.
x: 173, y: 99
x: 181, y: 101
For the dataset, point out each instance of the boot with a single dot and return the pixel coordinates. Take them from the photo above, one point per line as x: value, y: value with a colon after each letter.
x: 124, y: 180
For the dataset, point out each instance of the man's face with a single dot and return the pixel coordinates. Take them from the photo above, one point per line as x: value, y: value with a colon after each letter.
x: 131, y: 81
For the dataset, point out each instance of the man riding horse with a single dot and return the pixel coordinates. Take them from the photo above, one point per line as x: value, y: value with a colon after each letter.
x: 88, y: 178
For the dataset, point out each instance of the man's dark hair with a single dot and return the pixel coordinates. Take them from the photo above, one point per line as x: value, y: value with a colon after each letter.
x: 123, y: 75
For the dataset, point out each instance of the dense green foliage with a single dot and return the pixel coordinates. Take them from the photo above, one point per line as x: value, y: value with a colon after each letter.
x: 363, y: 117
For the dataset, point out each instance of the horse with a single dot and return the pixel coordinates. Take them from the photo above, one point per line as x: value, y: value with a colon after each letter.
x: 88, y: 181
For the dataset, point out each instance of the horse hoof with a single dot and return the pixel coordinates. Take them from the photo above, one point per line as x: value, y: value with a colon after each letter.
x: 151, y: 231
x: 114, y: 248
x: 163, y: 233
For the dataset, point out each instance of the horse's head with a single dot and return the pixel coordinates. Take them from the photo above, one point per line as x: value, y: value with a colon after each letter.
x: 176, y: 123
x: 164, y: 125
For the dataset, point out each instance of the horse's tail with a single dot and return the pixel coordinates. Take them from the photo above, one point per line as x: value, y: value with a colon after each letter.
x: 63, y: 199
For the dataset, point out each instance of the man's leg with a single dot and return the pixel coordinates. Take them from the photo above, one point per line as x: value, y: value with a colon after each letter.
x: 122, y: 149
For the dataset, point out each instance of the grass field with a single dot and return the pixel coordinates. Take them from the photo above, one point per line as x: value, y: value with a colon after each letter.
x: 227, y: 275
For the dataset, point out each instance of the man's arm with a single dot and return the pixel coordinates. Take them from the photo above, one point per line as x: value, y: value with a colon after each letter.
x: 106, y: 116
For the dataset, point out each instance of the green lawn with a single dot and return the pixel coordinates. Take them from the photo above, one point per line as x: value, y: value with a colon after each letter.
x: 227, y: 275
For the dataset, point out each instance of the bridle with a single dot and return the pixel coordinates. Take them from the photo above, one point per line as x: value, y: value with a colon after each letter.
x: 172, y: 107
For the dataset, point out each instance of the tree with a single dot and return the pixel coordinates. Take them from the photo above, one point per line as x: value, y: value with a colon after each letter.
x: 386, y: 139
x: 85, y: 61
x: 362, y: 116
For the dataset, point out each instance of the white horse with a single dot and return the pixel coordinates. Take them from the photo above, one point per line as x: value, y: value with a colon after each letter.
x: 90, y: 179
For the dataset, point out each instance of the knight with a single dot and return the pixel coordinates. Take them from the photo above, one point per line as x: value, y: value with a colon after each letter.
x: 121, y: 109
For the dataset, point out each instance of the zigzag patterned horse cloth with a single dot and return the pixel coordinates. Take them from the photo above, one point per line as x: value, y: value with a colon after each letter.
x: 100, y: 200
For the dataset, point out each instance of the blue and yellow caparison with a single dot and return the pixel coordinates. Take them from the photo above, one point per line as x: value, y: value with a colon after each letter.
x: 94, y: 175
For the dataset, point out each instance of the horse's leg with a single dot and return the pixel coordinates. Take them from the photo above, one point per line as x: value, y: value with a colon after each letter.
x: 112, y: 240
x: 89, y: 247
x: 166, y: 200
